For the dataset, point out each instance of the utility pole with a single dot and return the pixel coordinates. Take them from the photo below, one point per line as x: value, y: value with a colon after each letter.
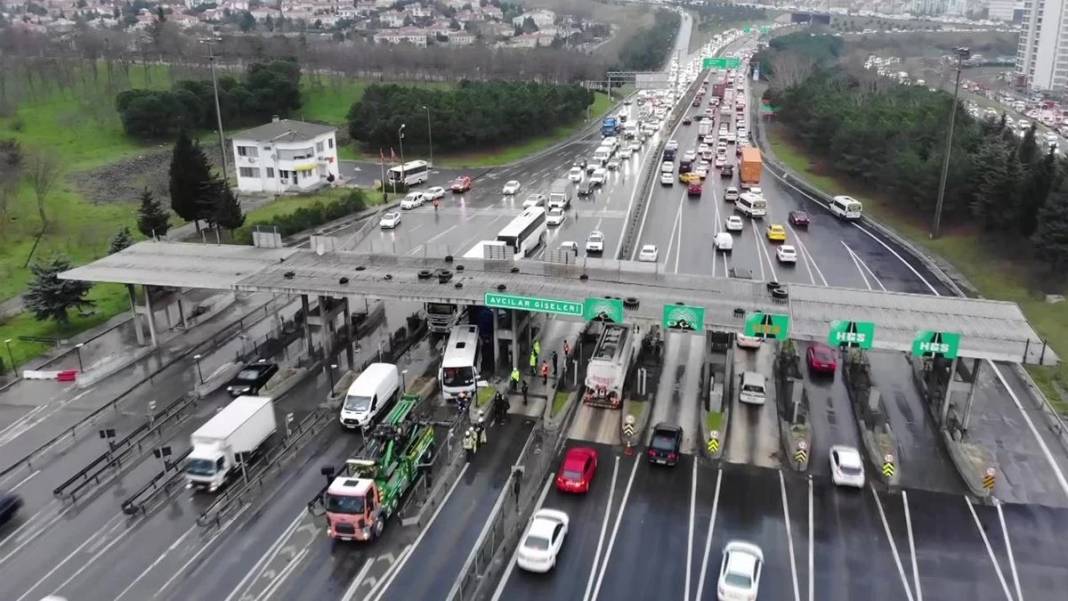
x: 936, y: 228
x: 218, y: 112
x: 429, y: 135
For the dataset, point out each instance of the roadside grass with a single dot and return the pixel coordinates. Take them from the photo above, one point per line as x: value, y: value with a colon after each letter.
x: 997, y: 270
x: 559, y: 400
x: 484, y: 396
x: 635, y: 408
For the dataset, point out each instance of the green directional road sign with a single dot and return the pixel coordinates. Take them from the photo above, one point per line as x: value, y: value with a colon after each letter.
x: 764, y: 29
x: 747, y: 29
x: 533, y: 303
x: 683, y: 317
x: 604, y: 309
x: 721, y: 62
x: 853, y: 333
x: 768, y: 325
x: 929, y: 343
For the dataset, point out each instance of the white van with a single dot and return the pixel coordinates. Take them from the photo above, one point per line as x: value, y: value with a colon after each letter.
x: 601, y: 155
x: 754, y: 389
x: 751, y: 205
x: 373, y: 391
x: 667, y: 167
x: 846, y: 207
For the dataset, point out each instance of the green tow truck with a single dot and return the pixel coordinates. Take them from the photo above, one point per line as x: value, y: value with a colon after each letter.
x: 358, y: 502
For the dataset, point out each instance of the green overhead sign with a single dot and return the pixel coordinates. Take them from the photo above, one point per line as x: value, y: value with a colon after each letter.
x: 604, y: 309
x: 747, y: 29
x: 929, y: 343
x: 721, y: 62
x: 683, y: 317
x: 853, y: 333
x: 765, y: 28
x: 533, y: 303
x: 768, y: 325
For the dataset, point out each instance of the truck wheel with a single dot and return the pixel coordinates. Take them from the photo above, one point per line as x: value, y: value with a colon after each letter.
x: 377, y: 530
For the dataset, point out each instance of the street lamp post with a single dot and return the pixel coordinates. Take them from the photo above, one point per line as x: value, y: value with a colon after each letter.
x: 400, y: 138
x: 429, y: 135
x: 218, y: 112
x: 200, y: 374
x: 936, y: 227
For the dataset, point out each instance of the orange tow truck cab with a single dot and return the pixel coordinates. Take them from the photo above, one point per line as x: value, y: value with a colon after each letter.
x: 352, y: 509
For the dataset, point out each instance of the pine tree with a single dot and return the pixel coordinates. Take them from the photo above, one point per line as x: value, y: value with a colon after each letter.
x: 1028, y: 151
x: 122, y: 239
x: 152, y: 219
x: 189, y: 175
x: 1051, y: 235
x: 228, y: 212
x: 48, y: 296
x: 1034, y: 190
x: 990, y: 161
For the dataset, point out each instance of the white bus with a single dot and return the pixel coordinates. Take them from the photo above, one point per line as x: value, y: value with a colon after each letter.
x: 408, y: 174
x: 525, y: 232
x: 459, y: 366
x: 846, y: 207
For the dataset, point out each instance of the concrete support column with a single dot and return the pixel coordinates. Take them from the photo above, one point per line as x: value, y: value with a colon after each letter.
x: 307, y: 324
x: 150, y: 316
x: 181, y: 312
x: 349, y: 334
x: 945, y: 398
x: 515, y: 339
x: 138, y: 332
x: 496, y: 341
x: 976, y: 365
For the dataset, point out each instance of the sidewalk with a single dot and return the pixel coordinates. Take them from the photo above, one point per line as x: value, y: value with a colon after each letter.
x: 552, y: 335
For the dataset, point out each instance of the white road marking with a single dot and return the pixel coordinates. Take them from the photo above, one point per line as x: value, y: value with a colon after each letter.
x: 110, y: 525
x: 272, y: 552
x: 893, y: 545
x: 276, y: 584
x: 862, y: 267
x: 671, y: 241
x: 789, y: 536
x: 358, y: 580
x: 1008, y: 548
x: 811, y: 545
x: 511, y: 562
x: 801, y: 251
x: 856, y: 264
x: 604, y: 530
x: 207, y: 545
x: 759, y: 257
x: 1034, y: 431
x: 159, y: 559
x: 384, y: 582
x: 35, y: 522
x: 615, y: 531
x: 689, y: 537
x: 24, y: 481
x: 899, y: 258
x: 708, y: 538
x: 912, y: 545
x: 989, y: 549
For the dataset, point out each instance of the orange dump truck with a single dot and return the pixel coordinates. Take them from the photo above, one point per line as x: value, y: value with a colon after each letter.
x: 751, y: 166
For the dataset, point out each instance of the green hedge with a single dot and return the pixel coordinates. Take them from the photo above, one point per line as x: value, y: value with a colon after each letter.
x: 306, y: 218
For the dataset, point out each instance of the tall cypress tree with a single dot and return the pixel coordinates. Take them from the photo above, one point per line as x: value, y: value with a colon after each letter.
x: 189, y: 176
x: 152, y: 220
x: 1051, y: 235
x: 228, y: 212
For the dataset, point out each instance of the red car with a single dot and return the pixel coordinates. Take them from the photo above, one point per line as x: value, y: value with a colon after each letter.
x: 694, y: 189
x: 799, y: 218
x: 577, y: 470
x: 821, y: 359
x: 461, y: 184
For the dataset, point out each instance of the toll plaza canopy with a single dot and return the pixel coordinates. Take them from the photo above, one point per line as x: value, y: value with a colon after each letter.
x: 993, y: 330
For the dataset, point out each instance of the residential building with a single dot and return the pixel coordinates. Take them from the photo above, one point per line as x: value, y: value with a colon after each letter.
x: 285, y: 156
x: 541, y: 18
x: 1005, y: 10
x: 410, y: 35
x: 461, y: 38
x: 391, y: 19
x: 1042, y: 54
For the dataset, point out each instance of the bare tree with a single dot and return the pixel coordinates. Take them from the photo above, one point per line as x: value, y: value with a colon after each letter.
x: 43, y: 170
x: 790, y: 69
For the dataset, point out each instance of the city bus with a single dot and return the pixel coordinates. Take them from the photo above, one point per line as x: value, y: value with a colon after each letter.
x: 525, y: 232
x: 459, y: 366
x: 408, y: 174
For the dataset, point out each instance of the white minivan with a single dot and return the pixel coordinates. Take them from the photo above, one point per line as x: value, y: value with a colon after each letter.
x: 373, y: 391
x: 754, y: 388
x: 751, y: 205
x: 846, y: 207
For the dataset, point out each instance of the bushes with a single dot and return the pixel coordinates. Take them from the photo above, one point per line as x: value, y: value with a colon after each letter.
x: 648, y: 49
x: 308, y: 217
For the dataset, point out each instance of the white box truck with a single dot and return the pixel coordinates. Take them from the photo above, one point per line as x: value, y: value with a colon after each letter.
x: 227, y: 440
x: 607, y: 369
x: 560, y: 194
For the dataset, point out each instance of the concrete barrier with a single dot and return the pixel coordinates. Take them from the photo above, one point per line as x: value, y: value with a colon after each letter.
x: 974, y: 464
x: 796, y: 440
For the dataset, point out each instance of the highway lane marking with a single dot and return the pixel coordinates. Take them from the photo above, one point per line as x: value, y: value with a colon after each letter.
x: 856, y: 264
x: 759, y: 257
x: 675, y: 226
x: 708, y: 537
x: 276, y: 584
x: 24, y: 481
x: 203, y: 548
x: 24, y: 418
x: 362, y: 574
x: 789, y: 536
x: 272, y: 552
x: 401, y: 561
x: 94, y: 558
x: 989, y: 549
x: 862, y: 267
x: 899, y: 258
x: 615, y: 531
x: 511, y: 562
x: 152, y: 566
x: 806, y: 257
x: 689, y: 536
x: 604, y: 530
x: 762, y: 245
x: 1034, y: 431
x: 811, y: 545
x: 1008, y: 548
x: 893, y: 545
x: 912, y: 545
x: 108, y: 526
x: 37, y: 531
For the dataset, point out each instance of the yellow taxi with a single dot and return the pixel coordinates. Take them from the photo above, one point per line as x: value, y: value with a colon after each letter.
x: 689, y: 177
x: 776, y: 233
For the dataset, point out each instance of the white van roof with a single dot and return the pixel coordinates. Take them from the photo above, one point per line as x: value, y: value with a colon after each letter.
x: 753, y: 378
x: 366, y: 383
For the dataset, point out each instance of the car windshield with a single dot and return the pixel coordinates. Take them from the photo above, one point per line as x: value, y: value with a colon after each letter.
x: 753, y: 388
x: 344, y: 504
x: 357, y: 403
x: 572, y: 475
x: 663, y: 442
x: 458, y: 376
x: 200, y: 467
x: 248, y: 375
x: 596, y: 237
x: 537, y: 543
x: 737, y: 580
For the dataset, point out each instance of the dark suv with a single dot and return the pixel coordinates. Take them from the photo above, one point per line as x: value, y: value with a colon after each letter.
x: 664, y: 447
x: 252, y: 378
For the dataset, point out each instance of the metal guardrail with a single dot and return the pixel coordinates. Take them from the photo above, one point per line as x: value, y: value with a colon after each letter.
x: 131, y: 446
x: 72, y: 432
x: 159, y: 484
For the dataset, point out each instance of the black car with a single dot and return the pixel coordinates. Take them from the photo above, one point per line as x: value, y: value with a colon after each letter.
x: 726, y: 170
x: 586, y: 187
x: 687, y: 120
x: 9, y: 505
x: 664, y: 447
x: 252, y: 378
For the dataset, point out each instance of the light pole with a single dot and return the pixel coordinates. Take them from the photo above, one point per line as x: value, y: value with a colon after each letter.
x: 429, y: 135
x: 78, y: 348
x: 200, y: 374
x: 936, y: 227
x: 400, y: 138
x: 218, y: 113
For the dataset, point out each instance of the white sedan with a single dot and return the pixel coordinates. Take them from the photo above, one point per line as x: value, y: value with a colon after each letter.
x: 599, y: 176
x: 534, y: 200
x: 648, y: 253
x: 555, y: 216
x: 434, y: 193
x: 413, y: 200
x: 739, y: 573
x: 847, y: 467
x: 575, y: 174
x: 511, y: 187
x: 542, y: 541
x: 667, y: 178
x: 735, y: 224
x: 723, y: 241
x: 786, y: 254
x: 390, y: 220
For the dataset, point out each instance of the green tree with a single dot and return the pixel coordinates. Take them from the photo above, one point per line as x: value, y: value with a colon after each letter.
x: 992, y: 177
x: 228, y: 212
x: 122, y: 239
x: 152, y: 218
x: 1028, y: 151
x: 48, y: 296
x: 1035, y: 187
x: 246, y: 21
x: 1051, y: 235
x: 190, y: 175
